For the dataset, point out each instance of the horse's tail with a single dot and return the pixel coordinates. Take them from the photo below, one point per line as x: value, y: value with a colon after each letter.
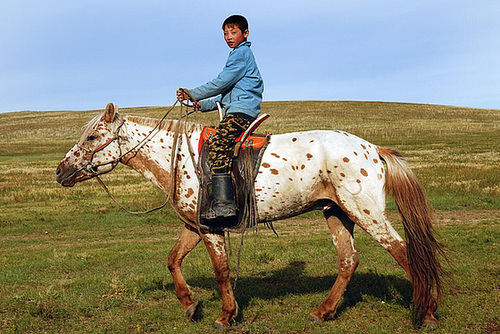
x: 422, y: 248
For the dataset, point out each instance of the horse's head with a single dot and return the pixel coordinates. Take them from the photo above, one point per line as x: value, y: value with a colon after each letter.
x: 97, y: 151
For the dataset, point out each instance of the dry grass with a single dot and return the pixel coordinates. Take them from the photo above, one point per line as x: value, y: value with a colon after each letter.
x: 454, y: 151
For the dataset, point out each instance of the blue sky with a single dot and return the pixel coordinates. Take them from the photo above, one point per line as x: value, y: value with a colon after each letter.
x: 78, y: 55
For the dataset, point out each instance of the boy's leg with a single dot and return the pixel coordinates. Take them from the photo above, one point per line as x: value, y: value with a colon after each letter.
x: 220, y: 159
x: 221, y: 148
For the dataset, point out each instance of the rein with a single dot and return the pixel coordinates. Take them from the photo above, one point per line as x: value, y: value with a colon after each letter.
x: 91, y: 168
x: 123, y: 207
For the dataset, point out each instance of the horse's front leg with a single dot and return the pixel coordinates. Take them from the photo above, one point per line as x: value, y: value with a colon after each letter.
x: 188, y: 239
x: 341, y: 228
x: 215, y: 244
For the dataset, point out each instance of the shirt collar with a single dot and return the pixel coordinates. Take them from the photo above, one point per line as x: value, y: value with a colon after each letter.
x: 243, y: 43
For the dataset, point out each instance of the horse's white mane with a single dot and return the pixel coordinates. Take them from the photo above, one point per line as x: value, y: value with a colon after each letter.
x: 89, y: 128
x: 92, y: 122
x: 167, y: 124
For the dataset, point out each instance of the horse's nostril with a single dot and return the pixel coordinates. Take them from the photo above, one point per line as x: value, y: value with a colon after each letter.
x: 58, y: 171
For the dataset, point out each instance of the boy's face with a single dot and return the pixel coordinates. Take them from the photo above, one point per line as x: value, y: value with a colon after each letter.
x: 234, y: 36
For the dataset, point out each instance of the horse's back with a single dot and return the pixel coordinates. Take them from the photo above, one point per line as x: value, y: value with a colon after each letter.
x: 299, y: 169
x: 321, y: 148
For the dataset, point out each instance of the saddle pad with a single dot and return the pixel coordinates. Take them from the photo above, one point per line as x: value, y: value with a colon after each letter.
x: 254, y: 141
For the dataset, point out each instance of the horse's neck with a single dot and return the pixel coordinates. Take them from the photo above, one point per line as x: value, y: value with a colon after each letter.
x: 152, y: 146
x: 148, y: 137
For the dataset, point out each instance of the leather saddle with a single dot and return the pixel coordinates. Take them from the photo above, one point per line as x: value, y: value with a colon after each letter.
x: 245, y: 140
x: 247, y: 156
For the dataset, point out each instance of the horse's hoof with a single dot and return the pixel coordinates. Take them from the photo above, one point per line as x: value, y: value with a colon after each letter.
x: 218, y: 326
x: 430, y: 325
x: 191, y: 311
x: 313, y: 319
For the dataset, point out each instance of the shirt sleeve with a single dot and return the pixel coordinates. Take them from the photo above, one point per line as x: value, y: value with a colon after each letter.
x: 233, y: 71
x: 209, y: 104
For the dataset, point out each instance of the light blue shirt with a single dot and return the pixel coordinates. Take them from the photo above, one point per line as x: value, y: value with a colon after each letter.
x: 239, y: 85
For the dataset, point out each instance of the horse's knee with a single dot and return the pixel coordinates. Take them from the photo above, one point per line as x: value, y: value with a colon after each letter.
x: 222, y: 272
x: 172, y: 262
x: 188, y: 239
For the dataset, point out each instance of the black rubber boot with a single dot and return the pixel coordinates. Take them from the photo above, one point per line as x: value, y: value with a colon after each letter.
x: 224, y: 205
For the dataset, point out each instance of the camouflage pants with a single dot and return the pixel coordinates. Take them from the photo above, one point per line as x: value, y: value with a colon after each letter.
x: 221, y: 148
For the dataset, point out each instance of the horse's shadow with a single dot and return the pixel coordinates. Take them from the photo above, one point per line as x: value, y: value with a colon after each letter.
x: 291, y: 280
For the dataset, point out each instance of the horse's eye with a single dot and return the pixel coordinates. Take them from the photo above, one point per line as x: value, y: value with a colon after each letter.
x: 90, y: 138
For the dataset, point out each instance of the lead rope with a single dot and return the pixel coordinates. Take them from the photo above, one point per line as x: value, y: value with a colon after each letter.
x: 188, y: 142
x: 124, y: 208
x: 198, y: 175
x: 238, y: 259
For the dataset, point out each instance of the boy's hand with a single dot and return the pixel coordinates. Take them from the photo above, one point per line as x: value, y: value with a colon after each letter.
x: 196, y: 106
x: 181, y: 95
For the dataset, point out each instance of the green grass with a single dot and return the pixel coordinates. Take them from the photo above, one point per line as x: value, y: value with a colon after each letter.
x: 71, y: 262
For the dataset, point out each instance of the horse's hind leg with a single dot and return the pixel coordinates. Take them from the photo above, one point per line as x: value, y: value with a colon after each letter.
x: 397, y: 247
x: 188, y: 239
x: 215, y: 244
x: 378, y: 227
x: 341, y: 228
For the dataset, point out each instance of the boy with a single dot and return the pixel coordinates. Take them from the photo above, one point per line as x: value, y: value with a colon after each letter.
x: 240, y: 88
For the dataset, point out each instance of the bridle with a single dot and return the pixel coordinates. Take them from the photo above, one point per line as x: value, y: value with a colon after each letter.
x: 92, y: 168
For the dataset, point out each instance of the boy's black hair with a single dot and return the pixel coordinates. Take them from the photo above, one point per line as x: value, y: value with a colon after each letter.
x: 237, y: 20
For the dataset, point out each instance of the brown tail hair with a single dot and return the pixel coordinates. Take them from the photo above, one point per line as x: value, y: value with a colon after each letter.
x: 422, y: 248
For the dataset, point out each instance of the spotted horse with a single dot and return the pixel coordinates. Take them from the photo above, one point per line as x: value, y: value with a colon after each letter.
x: 339, y: 173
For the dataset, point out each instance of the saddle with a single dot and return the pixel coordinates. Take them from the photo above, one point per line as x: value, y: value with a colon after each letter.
x: 247, y: 156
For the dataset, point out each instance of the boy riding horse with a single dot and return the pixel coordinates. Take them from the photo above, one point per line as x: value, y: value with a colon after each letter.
x: 239, y: 88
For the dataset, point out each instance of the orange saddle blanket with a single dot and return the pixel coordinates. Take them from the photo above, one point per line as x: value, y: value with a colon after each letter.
x: 254, y: 141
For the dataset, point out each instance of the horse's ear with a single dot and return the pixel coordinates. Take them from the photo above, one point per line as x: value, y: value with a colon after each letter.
x: 111, y: 111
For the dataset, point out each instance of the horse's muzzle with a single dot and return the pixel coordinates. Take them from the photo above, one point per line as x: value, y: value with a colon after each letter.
x: 66, y: 177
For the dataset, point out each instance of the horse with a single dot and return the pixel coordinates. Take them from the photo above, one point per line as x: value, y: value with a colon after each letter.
x: 334, y: 171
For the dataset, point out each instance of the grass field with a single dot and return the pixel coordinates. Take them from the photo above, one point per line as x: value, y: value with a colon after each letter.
x: 71, y: 262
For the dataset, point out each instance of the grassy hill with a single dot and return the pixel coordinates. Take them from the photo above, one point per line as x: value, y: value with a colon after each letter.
x: 454, y: 151
x: 72, y: 262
